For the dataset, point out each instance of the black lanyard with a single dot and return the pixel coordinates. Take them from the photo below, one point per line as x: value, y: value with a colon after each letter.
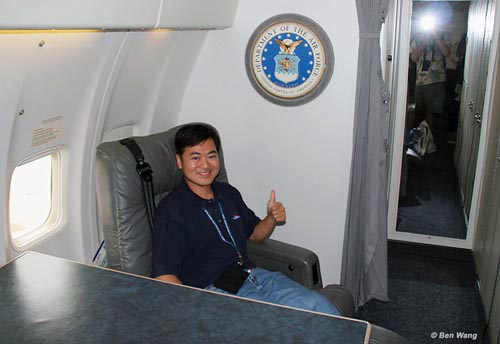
x: 231, y: 243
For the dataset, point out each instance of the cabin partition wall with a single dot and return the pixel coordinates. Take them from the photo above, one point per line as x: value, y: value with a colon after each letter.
x: 473, y: 95
x: 486, y: 246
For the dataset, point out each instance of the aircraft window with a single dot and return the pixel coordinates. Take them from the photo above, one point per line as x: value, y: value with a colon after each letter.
x: 33, y: 210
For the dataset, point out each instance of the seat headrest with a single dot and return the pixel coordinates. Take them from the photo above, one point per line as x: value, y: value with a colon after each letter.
x: 121, y: 208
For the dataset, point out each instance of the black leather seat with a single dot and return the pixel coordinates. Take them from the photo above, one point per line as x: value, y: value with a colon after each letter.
x: 123, y: 220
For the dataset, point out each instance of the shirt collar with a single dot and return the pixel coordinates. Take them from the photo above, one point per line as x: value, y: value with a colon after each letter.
x: 194, y: 198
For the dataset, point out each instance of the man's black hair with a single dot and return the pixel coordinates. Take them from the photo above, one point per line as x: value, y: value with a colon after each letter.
x: 193, y: 134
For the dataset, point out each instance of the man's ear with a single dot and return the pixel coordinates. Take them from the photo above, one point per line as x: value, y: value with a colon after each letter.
x: 179, y: 161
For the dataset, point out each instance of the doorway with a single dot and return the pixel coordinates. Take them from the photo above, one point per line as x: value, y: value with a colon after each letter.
x: 429, y: 199
x: 426, y: 201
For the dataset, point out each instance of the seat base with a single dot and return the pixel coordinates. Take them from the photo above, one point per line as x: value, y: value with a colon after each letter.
x: 382, y: 335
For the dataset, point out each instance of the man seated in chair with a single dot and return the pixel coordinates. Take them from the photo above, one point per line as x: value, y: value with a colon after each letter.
x: 201, y: 228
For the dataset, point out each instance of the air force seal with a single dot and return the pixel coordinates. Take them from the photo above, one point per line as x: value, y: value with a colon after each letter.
x: 289, y: 59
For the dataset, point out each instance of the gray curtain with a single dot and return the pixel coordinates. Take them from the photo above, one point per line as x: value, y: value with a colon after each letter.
x: 364, y: 263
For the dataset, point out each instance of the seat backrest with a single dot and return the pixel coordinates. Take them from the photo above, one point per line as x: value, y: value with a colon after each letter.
x: 121, y: 208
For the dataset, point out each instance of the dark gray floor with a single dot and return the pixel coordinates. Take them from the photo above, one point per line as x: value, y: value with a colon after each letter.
x: 432, y: 204
x: 433, y: 293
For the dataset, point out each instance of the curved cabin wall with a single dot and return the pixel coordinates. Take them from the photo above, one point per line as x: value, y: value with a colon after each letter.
x: 56, y: 77
x: 99, y: 84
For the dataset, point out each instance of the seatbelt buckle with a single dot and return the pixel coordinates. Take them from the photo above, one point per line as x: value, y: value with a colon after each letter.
x: 144, y: 170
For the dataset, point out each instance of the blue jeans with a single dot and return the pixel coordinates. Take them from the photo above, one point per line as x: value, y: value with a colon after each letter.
x: 274, y: 287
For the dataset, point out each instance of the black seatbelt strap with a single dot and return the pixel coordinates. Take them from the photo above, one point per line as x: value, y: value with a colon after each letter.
x: 146, y: 174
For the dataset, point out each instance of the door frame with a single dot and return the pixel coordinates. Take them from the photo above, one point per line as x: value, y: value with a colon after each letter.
x: 397, y: 36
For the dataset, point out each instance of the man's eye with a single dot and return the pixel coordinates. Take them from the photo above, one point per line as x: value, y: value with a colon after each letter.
x: 212, y: 156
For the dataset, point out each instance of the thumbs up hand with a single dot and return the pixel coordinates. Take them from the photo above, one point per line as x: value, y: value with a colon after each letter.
x: 276, y: 210
x: 276, y: 214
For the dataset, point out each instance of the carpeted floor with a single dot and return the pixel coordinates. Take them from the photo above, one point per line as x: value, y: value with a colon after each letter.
x: 432, y: 204
x: 433, y: 296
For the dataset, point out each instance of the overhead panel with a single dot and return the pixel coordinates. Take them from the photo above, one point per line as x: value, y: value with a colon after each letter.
x: 116, y: 14
x: 198, y: 14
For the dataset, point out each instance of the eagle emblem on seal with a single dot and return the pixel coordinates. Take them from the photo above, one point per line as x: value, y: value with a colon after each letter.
x: 286, y: 62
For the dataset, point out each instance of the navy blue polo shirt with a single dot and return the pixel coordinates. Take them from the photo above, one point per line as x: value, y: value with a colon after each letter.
x: 186, y: 242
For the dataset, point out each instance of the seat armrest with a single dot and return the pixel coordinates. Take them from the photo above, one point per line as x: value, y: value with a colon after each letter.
x: 341, y: 297
x: 298, y: 263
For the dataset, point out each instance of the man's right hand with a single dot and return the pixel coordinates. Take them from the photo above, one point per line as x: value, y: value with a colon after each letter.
x: 169, y: 279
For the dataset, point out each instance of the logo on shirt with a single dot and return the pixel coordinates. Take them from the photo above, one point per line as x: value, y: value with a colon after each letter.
x: 235, y: 216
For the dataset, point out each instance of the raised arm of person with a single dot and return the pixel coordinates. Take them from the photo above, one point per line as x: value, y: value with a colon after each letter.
x: 445, y: 49
x: 275, y: 214
x: 417, y: 52
x: 417, y: 47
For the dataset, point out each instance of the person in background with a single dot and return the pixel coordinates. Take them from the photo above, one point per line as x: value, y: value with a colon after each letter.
x: 428, y: 50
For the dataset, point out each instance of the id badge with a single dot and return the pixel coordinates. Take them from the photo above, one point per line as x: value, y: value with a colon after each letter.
x: 231, y: 279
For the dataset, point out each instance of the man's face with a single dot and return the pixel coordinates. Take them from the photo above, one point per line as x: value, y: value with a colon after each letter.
x: 200, y: 165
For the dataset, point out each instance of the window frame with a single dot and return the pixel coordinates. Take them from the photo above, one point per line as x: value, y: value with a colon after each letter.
x: 54, y: 221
